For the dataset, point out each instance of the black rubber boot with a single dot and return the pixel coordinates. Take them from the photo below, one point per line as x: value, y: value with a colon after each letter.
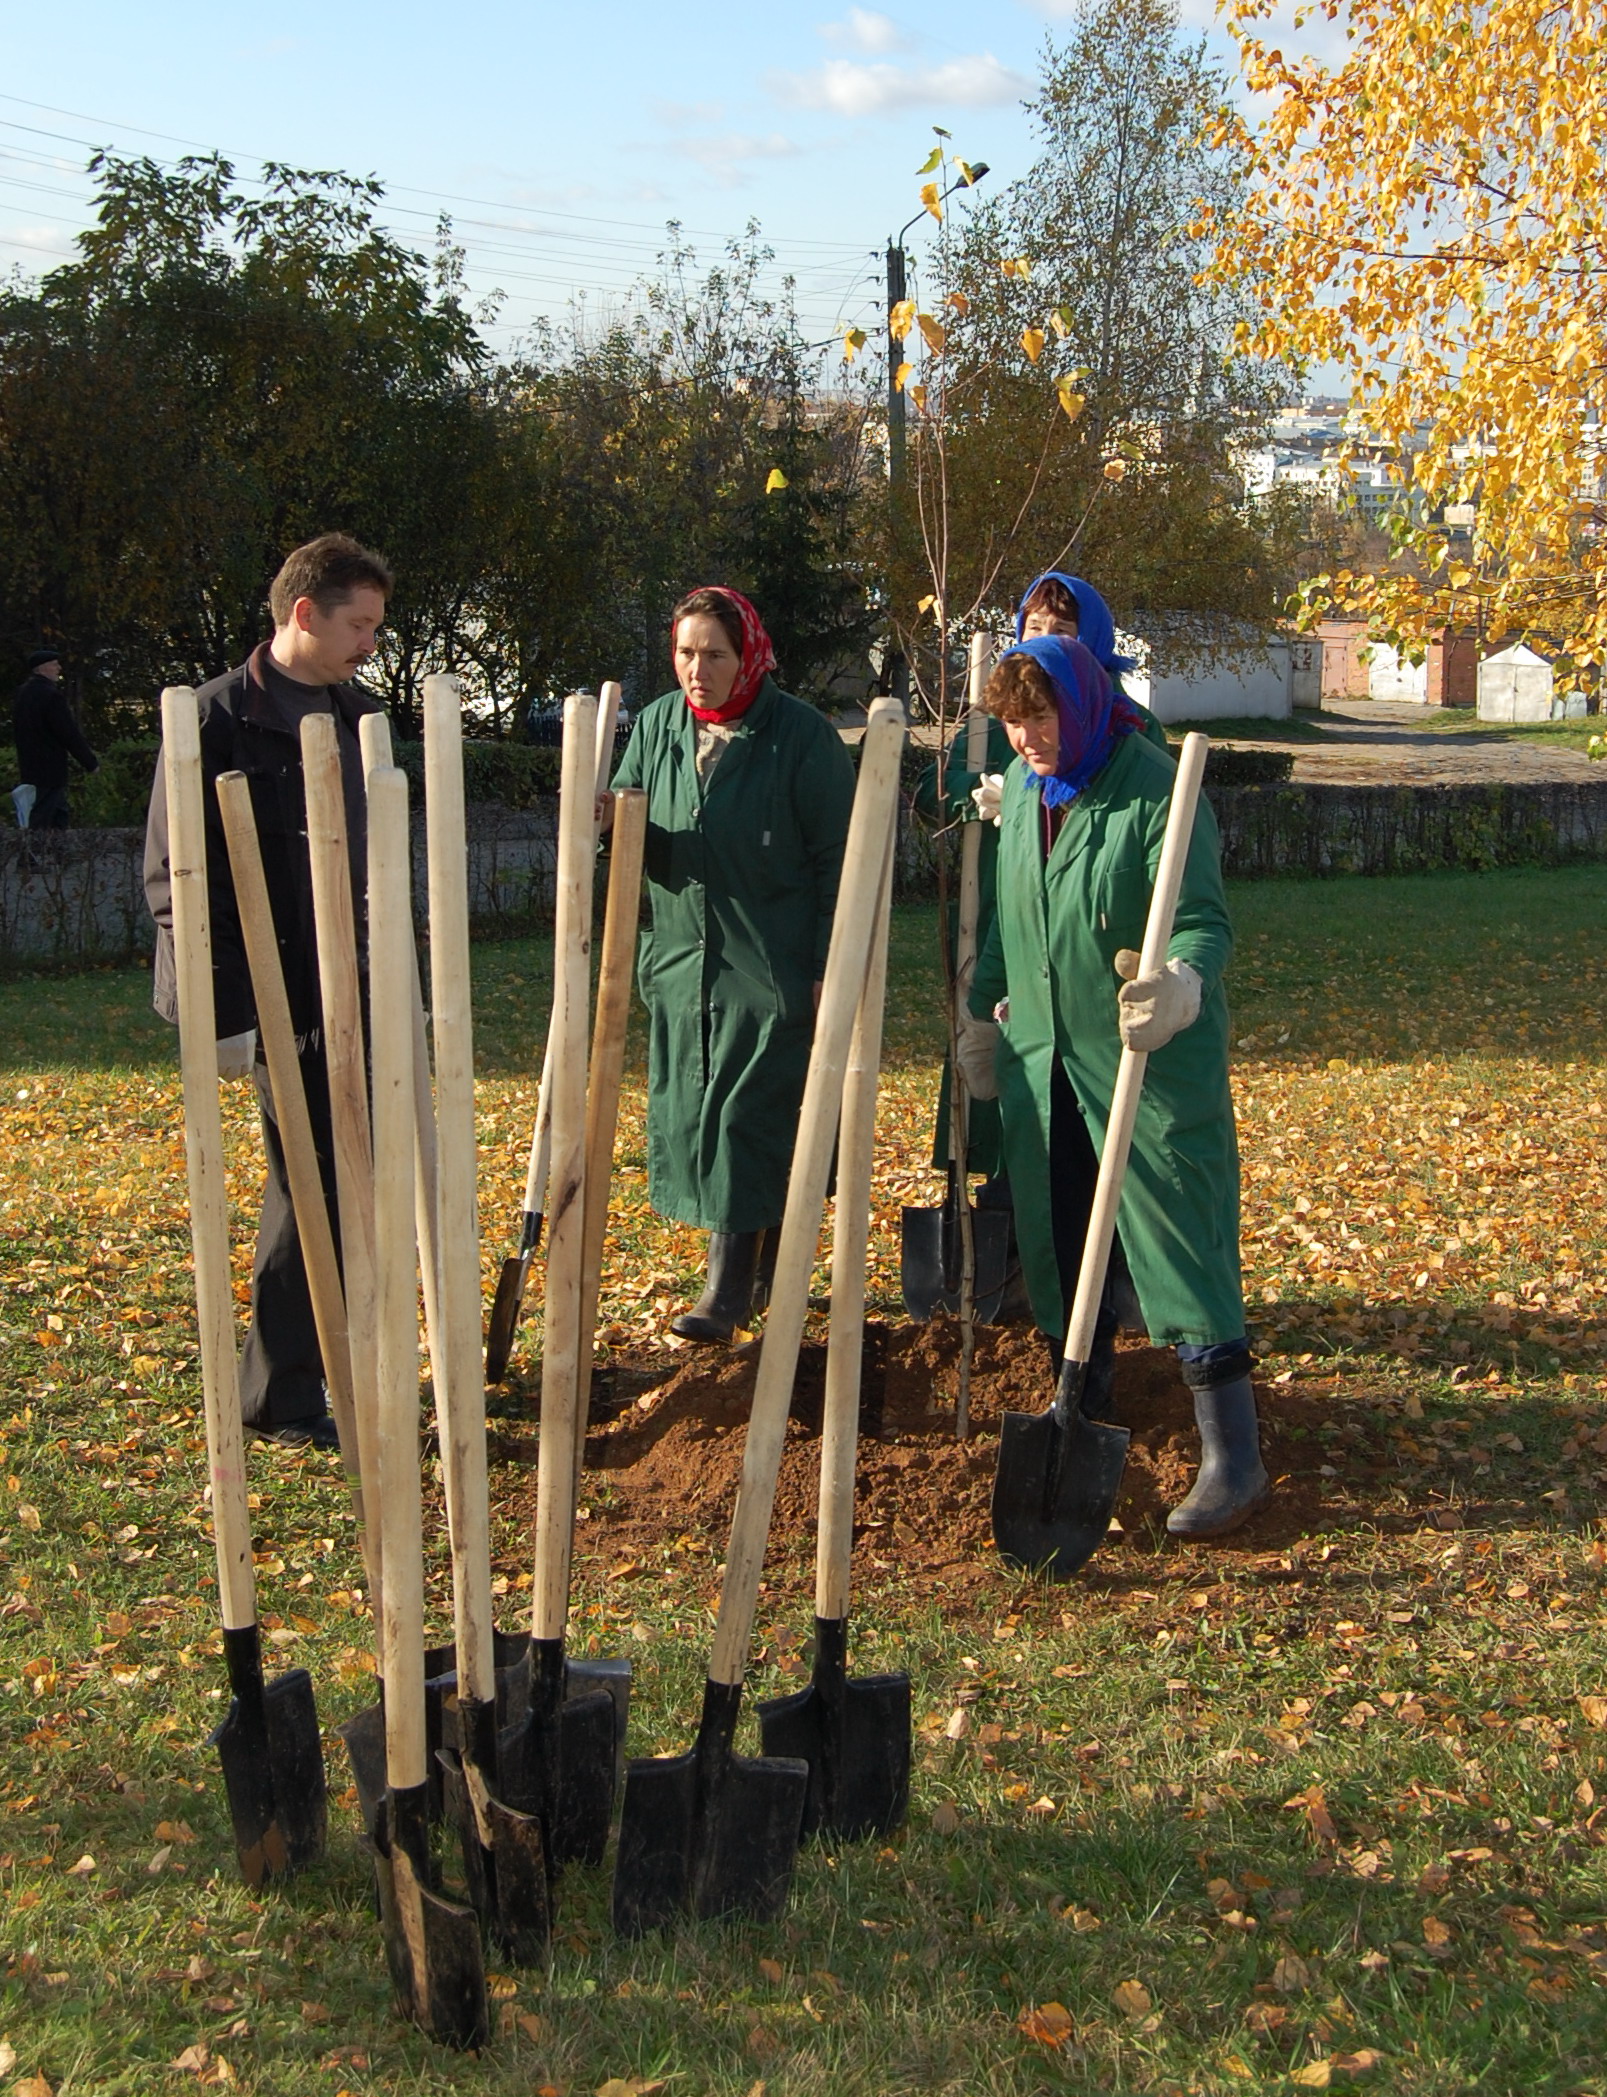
x: 1232, y: 1481
x: 765, y: 1272
x: 727, y: 1297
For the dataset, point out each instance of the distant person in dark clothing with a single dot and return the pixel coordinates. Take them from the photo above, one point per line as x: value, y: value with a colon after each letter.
x: 46, y: 735
x: 328, y: 604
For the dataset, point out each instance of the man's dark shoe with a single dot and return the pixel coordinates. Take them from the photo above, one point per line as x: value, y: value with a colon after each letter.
x: 317, y: 1431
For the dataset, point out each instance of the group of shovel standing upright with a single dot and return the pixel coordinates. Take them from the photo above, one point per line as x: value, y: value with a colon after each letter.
x: 505, y: 1741
x: 502, y: 1746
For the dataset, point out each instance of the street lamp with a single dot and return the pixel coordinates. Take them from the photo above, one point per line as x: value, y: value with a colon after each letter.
x: 896, y: 436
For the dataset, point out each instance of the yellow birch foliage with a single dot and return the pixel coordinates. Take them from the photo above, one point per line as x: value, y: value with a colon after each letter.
x: 1429, y: 213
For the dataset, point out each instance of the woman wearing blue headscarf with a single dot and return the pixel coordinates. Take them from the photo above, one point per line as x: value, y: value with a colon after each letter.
x: 1058, y: 603
x: 1082, y: 816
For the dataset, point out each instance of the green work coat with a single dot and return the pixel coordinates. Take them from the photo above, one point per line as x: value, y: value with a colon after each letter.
x: 954, y: 805
x: 984, y: 1152
x: 742, y: 881
x: 1059, y: 927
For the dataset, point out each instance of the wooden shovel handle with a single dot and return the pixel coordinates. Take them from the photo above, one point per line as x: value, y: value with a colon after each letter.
x: 277, y: 1030
x: 539, y: 1165
x: 850, y: 1242
x: 858, y: 896
x: 347, y: 1066
x: 1130, y: 1071
x: 560, y: 1356
x: 607, y: 1066
x: 374, y: 738
x: 203, y: 1150
x: 459, y: 1374
x: 390, y: 938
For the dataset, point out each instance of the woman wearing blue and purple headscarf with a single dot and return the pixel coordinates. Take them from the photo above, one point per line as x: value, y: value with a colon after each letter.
x: 1082, y: 816
x: 1058, y: 603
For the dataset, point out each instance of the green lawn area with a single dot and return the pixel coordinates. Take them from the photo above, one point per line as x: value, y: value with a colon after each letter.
x: 1324, y: 1807
x: 1313, y: 726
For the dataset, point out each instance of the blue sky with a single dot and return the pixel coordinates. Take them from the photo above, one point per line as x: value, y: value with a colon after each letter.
x: 561, y: 138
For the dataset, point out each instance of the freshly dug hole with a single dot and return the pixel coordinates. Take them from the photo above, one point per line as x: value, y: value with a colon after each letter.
x: 667, y: 1468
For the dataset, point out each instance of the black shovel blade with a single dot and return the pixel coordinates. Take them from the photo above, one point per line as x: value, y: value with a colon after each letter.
x: 504, y: 1864
x: 921, y: 1264
x: 583, y: 1811
x: 296, y: 1753
x: 858, y: 1753
x: 558, y: 1757
x: 710, y: 1833
x: 273, y: 1765
x: 1055, y: 1488
x: 432, y: 1945
x: 930, y: 1262
x: 581, y: 1677
x: 363, y: 1736
x: 504, y: 1322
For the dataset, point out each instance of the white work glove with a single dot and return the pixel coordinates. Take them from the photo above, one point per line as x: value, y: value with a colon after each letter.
x: 978, y: 1042
x: 988, y: 797
x: 1001, y: 1012
x: 237, y: 1055
x: 1151, y: 1009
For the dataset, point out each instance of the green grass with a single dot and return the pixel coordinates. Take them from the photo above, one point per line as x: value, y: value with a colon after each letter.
x: 1320, y: 1796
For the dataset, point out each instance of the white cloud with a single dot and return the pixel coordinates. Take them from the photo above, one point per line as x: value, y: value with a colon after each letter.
x: 726, y: 155
x: 978, y: 81
x: 680, y: 114
x: 865, y: 30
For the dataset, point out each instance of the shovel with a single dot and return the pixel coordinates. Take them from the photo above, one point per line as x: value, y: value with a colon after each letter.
x: 854, y: 1735
x: 432, y: 1944
x: 509, y: 1299
x: 932, y: 1243
x: 295, y: 1128
x: 503, y: 1858
x: 558, y: 1756
x: 712, y: 1832
x: 1059, y: 1472
x: 268, y: 1743
x: 609, y: 1027
x: 346, y: 1060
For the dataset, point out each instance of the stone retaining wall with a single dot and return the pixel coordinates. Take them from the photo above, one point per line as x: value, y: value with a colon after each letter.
x: 74, y: 898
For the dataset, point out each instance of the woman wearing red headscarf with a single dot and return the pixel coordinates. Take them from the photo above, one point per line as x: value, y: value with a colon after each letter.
x: 748, y: 797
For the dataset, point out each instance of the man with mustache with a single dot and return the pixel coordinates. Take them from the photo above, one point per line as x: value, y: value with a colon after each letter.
x: 327, y: 604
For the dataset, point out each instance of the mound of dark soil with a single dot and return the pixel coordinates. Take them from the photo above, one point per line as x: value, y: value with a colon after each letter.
x: 668, y: 1466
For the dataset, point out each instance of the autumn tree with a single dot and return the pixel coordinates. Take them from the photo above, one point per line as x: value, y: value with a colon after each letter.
x: 1427, y: 212
x: 213, y: 378
x: 1077, y: 287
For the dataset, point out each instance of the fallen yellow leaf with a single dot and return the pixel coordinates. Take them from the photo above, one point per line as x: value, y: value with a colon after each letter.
x: 1050, y: 2024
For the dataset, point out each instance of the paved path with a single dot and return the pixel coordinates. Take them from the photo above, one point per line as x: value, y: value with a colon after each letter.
x: 1375, y: 742
x: 1379, y: 742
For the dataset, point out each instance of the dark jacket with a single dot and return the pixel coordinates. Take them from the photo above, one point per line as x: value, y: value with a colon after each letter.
x: 244, y: 728
x: 46, y: 735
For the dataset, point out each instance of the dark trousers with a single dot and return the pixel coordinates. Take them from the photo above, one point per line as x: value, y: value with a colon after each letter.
x: 1073, y: 1174
x: 281, y: 1370
x: 50, y: 810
